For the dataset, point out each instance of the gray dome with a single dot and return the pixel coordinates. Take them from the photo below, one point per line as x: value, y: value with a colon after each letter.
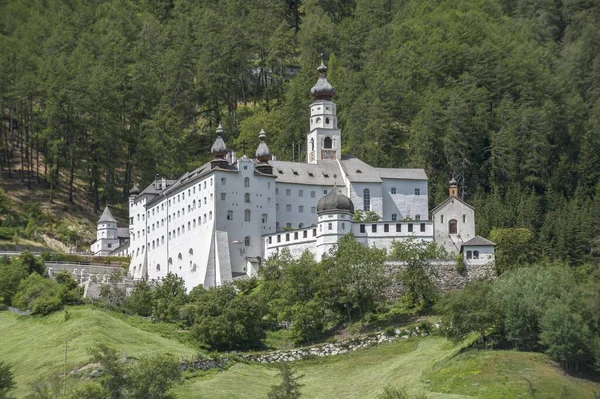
x: 453, y: 181
x: 335, y: 201
x: 135, y: 190
x: 322, y: 90
x: 219, y: 149
x: 263, y: 154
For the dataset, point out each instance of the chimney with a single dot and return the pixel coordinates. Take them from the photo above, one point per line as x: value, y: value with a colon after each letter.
x: 163, y: 183
x: 156, y: 182
x: 453, y: 188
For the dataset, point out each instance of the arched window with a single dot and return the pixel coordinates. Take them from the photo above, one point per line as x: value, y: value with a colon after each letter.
x: 327, y: 121
x: 327, y: 143
x: 247, y: 241
x: 452, y: 226
x: 247, y: 215
x: 158, y: 267
x: 393, y: 190
x: 170, y: 264
x: 247, y: 198
x: 301, y: 225
x: 246, y: 182
x: 366, y: 200
x: 191, y: 252
x: 475, y: 254
x: 180, y: 256
x: 312, y: 144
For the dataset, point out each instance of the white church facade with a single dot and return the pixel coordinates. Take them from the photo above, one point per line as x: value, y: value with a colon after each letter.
x: 223, y: 219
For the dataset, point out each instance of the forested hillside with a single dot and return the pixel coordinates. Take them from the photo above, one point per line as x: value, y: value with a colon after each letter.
x: 504, y: 94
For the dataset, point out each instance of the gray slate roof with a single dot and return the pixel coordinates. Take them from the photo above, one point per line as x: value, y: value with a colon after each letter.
x: 407, y: 174
x: 358, y: 171
x: 320, y: 173
x: 107, y: 217
x: 478, y: 241
x: 122, y: 232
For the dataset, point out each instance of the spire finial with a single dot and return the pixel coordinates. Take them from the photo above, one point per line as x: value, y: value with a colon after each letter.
x: 219, y: 149
x: 263, y: 154
x: 322, y: 69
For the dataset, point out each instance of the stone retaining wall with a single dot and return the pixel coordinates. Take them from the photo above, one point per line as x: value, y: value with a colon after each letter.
x: 308, y: 352
x: 83, y: 272
x: 444, y: 273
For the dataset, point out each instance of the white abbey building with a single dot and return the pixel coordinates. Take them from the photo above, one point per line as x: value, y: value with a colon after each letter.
x: 223, y: 219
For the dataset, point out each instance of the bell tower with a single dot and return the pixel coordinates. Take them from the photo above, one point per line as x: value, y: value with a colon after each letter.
x: 324, y: 139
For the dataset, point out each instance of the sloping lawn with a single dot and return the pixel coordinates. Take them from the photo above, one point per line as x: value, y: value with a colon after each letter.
x: 34, y: 346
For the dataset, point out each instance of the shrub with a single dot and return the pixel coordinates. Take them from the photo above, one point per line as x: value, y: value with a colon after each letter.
x: 39, y: 294
x: 7, y: 233
x: 44, y: 305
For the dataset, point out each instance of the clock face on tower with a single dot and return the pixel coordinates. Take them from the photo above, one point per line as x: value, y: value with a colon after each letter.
x: 328, y: 154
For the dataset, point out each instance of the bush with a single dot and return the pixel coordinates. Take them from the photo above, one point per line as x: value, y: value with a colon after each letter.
x: 7, y: 233
x: 39, y: 294
x: 11, y: 276
x: 45, y: 305
x: 227, y: 320
x: 6, y: 380
x: 141, y: 300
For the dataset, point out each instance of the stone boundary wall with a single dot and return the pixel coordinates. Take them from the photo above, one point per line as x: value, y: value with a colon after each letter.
x: 320, y: 350
x: 444, y: 273
x: 83, y: 272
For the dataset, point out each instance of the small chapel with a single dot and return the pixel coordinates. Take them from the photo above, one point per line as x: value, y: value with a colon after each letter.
x: 220, y: 221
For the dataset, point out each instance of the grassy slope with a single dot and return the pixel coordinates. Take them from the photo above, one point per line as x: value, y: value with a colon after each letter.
x: 418, y: 365
x: 35, y: 346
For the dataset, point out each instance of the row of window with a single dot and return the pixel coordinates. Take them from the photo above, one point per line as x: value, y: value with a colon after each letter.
x: 288, y: 235
x: 473, y: 255
x: 288, y: 192
x: 386, y: 228
x: 288, y: 208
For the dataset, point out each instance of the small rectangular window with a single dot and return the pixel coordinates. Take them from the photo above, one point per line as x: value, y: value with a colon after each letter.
x: 300, y: 193
x: 329, y: 226
x: 362, y: 228
x: 410, y: 227
x: 300, y: 209
x: 417, y: 191
x: 464, y: 218
x: 313, y: 194
x: 398, y: 227
x: 422, y: 227
x: 278, y: 238
x: 394, y: 217
x: 386, y: 228
x: 314, y: 232
x: 295, y: 235
x: 223, y: 196
x: 288, y: 208
x: 305, y: 234
x: 374, y: 228
x: 287, y: 236
x: 288, y: 192
x: 270, y: 240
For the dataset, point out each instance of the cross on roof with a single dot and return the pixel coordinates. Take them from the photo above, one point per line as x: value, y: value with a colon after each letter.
x: 244, y: 143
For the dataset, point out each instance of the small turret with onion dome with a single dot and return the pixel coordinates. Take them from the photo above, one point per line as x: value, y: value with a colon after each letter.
x: 322, y: 90
x: 263, y: 154
x: 134, y: 191
x: 219, y: 149
x: 453, y: 187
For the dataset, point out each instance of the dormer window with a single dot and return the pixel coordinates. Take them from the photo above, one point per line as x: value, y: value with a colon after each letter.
x: 280, y: 171
x: 326, y: 175
x: 358, y: 171
x: 393, y: 190
x: 311, y: 174
x: 294, y: 172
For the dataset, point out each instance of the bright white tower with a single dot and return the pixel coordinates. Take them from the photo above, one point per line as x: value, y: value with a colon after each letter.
x: 324, y: 140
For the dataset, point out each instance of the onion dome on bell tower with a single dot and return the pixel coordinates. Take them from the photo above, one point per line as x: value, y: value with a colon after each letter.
x: 219, y: 149
x: 322, y: 90
x: 453, y: 192
x: 263, y: 155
